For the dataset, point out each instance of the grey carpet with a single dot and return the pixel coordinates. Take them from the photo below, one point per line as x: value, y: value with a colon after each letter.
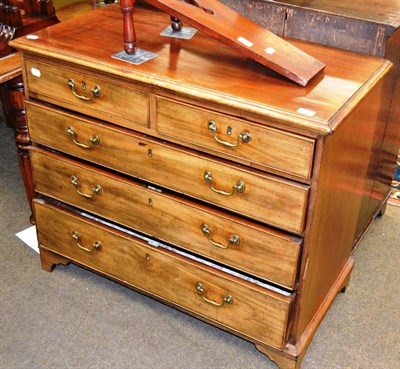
x: 72, y: 318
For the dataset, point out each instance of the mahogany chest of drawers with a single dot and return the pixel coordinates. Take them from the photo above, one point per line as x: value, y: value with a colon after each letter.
x: 201, y: 178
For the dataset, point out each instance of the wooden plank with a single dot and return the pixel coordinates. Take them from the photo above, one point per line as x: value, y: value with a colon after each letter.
x: 220, y: 22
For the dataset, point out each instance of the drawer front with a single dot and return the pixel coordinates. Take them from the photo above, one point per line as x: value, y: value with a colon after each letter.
x: 245, y: 246
x: 272, y: 148
x: 115, y: 103
x: 265, y: 198
x: 250, y: 309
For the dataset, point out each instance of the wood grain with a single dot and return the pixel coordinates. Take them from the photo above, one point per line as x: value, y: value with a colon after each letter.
x: 227, y: 78
x: 266, y: 197
x: 280, y: 150
x: 337, y: 194
x: 10, y: 67
x: 50, y: 83
x: 257, y: 312
x: 229, y: 27
x: 262, y: 252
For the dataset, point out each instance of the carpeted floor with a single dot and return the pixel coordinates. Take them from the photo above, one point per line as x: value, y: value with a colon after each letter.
x: 72, y: 318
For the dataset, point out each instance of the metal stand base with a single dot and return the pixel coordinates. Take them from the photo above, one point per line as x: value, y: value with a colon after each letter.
x: 185, y: 33
x: 139, y: 57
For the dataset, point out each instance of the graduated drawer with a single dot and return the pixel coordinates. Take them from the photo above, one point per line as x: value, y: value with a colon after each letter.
x: 100, y: 97
x: 253, y: 310
x: 266, y: 198
x: 286, y: 152
x: 243, y: 245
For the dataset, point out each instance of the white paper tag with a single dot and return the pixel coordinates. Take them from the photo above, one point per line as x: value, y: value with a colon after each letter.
x: 32, y: 37
x: 29, y: 237
x: 305, y: 111
x: 270, y: 50
x: 245, y: 41
x: 36, y: 72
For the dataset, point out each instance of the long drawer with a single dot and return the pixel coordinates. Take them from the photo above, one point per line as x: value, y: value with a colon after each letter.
x: 263, y: 197
x: 231, y: 302
x: 88, y: 94
x: 286, y: 152
x: 243, y: 245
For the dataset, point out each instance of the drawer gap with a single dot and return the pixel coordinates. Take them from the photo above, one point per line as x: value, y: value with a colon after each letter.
x: 172, y: 248
x: 160, y: 189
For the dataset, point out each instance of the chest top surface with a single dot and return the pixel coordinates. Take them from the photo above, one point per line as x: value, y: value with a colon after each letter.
x: 205, y: 69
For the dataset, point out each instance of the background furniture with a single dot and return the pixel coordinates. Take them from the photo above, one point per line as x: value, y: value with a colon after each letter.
x: 18, y: 18
x: 204, y: 166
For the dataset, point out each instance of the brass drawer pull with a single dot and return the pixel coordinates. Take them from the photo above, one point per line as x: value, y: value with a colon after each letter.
x: 244, y: 136
x: 238, y: 187
x: 94, y: 92
x: 97, y: 189
x: 228, y: 299
x: 95, y: 246
x: 94, y: 140
x: 233, y: 240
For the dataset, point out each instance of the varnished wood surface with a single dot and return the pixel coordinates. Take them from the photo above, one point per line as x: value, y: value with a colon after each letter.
x: 259, y: 313
x: 262, y: 252
x: 335, y: 201
x: 265, y: 198
x: 229, y: 27
x: 114, y: 103
x: 285, y: 152
x: 224, y: 74
x: 293, y: 354
x: 283, y: 361
x: 10, y: 67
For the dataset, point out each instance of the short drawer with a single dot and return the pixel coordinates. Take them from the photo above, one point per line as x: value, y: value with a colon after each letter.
x: 231, y: 302
x: 241, y: 244
x: 269, y: 147
x: 260, y: 196
x: 89, y: 94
